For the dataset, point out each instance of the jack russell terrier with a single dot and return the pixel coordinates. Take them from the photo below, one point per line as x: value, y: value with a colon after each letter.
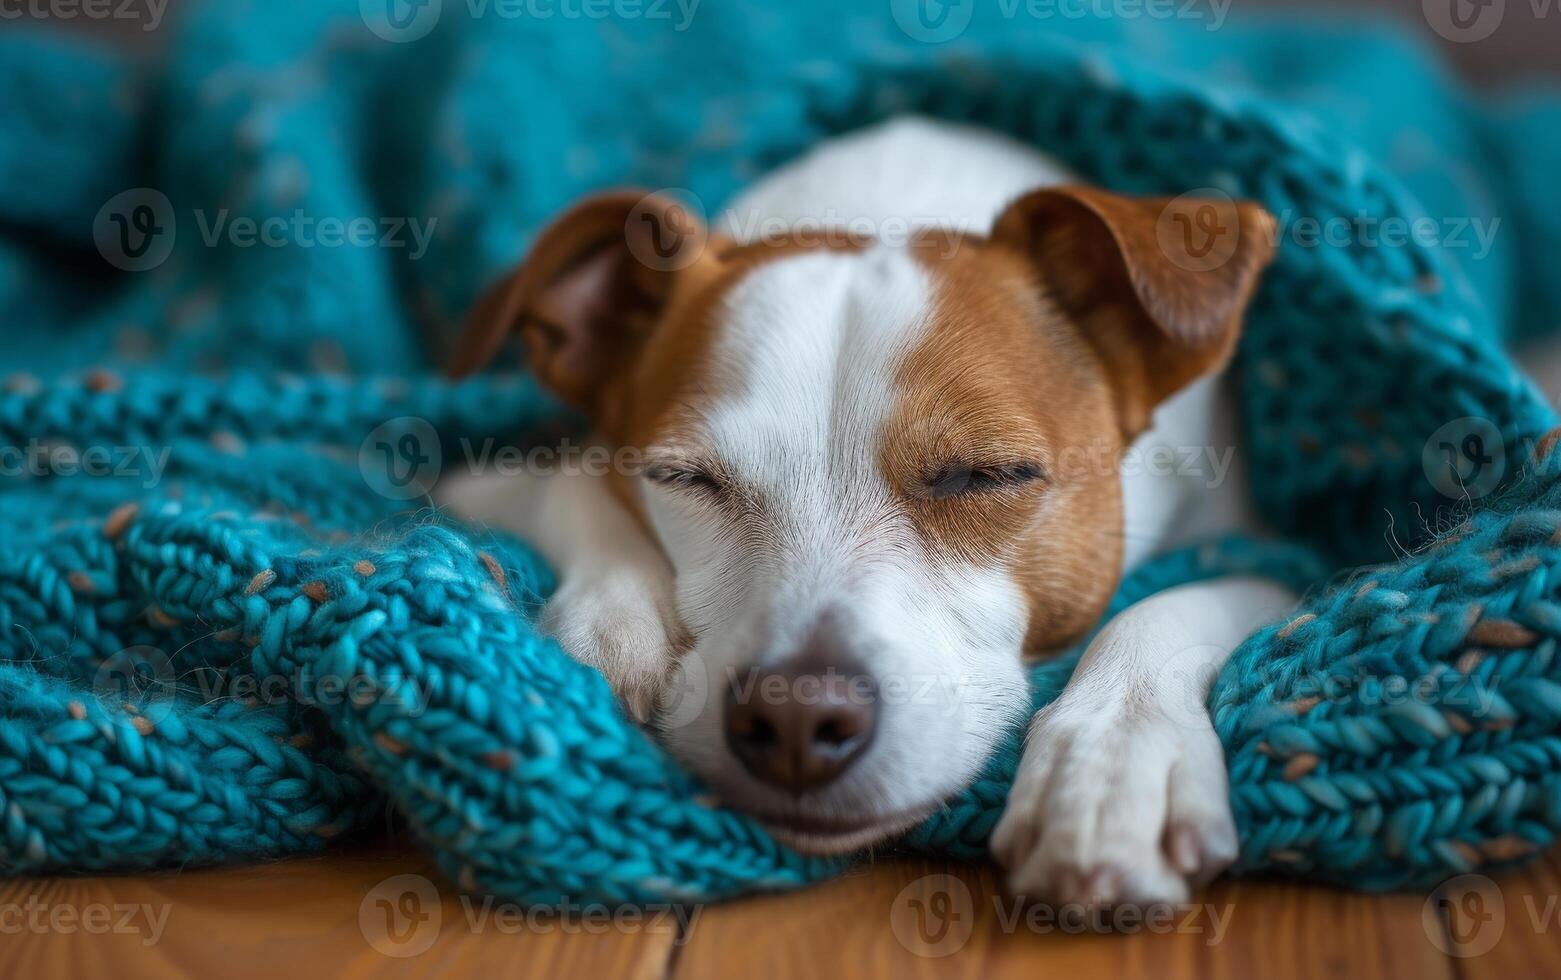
x: 881, y: 471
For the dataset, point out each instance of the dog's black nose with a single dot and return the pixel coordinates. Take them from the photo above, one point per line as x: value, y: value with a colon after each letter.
x: 800, y: 727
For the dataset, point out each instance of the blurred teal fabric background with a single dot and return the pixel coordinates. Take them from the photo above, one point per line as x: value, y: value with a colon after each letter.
x: 483, y: 126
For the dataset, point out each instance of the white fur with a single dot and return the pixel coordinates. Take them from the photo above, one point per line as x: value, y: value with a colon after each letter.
x: 808, y: 349
x: 1121, y: 794
x: 807, y: 353
x: 908, y: 172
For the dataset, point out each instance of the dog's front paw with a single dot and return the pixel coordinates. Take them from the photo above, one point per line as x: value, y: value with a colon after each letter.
x: 614, y: 623
x: 1115, y: 805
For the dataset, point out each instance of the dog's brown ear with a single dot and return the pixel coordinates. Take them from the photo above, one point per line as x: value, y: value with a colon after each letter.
x: 588, y: 293
x: 1158, y: 285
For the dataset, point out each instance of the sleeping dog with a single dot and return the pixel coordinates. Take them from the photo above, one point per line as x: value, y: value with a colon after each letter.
x: 906, y: 414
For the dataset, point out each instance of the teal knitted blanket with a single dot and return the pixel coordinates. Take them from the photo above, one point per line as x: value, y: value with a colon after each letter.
x: 228, y: 631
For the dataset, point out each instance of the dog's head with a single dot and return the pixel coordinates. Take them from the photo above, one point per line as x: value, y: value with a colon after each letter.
x: 882, y: 475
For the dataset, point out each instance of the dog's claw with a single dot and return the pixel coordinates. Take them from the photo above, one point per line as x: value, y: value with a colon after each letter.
x: 1181, y: 846
x: 641, y: 704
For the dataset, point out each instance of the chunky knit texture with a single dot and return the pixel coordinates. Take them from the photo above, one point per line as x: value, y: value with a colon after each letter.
x: 258, y: 645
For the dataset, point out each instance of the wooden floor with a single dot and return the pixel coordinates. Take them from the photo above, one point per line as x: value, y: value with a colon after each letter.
x: 385, y: 912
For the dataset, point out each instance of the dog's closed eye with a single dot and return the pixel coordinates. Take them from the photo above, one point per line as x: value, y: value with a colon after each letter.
x: 682, y: 476
x: 960, y: 479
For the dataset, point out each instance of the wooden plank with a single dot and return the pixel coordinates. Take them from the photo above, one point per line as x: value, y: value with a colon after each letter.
x: 922, y: 918
x: 1238, y: 930
x: 1288, y: 929
x: 910, y: 917
x: 1505, y: 926
x: 900, y: 916
x: 865, y: 922
x: 306, y: 917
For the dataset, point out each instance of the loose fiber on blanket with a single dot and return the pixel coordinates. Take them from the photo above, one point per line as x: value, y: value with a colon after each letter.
x: 244, y: 634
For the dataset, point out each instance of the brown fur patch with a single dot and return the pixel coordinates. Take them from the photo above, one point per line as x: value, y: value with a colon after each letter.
x: 1002, y: 377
